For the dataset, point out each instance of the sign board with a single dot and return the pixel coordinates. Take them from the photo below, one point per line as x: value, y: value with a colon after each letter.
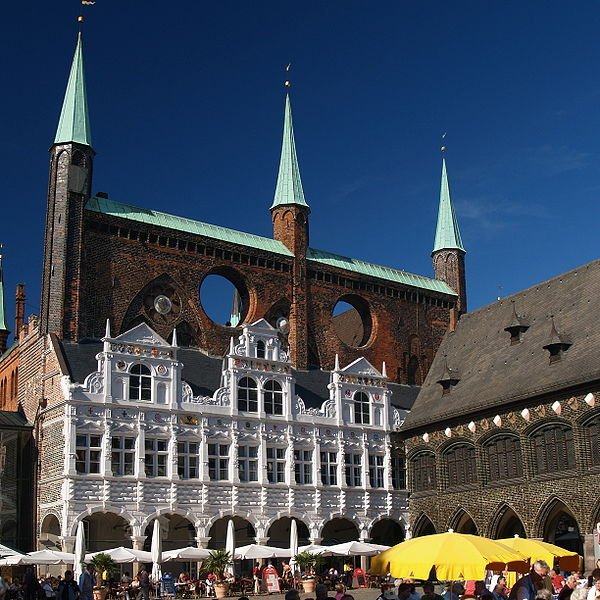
x: 359, y: 579
x: 271, y: 580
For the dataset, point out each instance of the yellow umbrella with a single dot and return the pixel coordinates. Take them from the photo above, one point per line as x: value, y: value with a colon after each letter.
x: 455, y: 556
x: 538, y: 550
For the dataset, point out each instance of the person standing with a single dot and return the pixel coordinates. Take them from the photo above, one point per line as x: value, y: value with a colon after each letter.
x: 87, y: 581
x: 527, y: 587
x: 144, y: 580
x: 68, y: 589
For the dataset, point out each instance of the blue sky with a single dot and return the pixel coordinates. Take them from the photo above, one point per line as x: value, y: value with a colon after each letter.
x: 186, y: 102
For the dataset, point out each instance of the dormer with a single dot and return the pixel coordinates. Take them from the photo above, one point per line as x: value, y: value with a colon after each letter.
x: 140, y: 367
x: 261, y: 340
x: 448, y: 379
x: 361, y: 393
x: 517, y: 327
x: 557, y: 344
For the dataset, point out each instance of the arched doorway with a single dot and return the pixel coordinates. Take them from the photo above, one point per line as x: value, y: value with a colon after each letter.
x: 176, y: 532
x: 423, y: 526
x: 387, y: 532
x: 279, y: 533
x: 561, y: 528
x: 338, y: 531
x: 507, y: 524
x: 106, y: 530
x: 244, y: 532
x: 463, y: 523
x: 49, y: 533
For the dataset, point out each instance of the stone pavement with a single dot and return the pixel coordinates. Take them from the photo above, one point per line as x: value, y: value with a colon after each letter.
x: 357, y: 593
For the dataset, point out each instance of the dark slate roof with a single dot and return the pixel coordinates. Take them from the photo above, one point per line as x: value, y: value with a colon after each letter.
x: 203, y: 373
x: 491, y: 371
x: 13, y: 420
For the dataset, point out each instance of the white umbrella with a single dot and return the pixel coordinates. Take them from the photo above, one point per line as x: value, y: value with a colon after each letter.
x: 256, y: 551
x: 293, y: 544
x: 5, y: 551
x: 40, y: 557
x: 315, y: 549
x: 156, y: 551
x: 380, y: 547
x: 353, y: 549
x: 190, y: 553
x: 230, y: 542
x: 79, y: 551
x: 123, y: 555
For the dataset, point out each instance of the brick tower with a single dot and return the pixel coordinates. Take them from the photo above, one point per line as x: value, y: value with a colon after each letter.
x: 448, y: 250
x: 289, y: 213
x: 71, y: 163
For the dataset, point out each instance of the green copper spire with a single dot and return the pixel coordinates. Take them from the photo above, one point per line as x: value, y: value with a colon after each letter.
x: 447, y: 234
x: 74, y: 123
x: 3, y: 326
x: 289, y: 185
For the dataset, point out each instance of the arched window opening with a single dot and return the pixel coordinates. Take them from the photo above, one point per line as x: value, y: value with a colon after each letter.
x: 247, y: 395
x: 260, y: 349
x: 460, y: 465
x: 553, y: 449
x: 362, y: 408
x: 504, y: 458
x: 423, y: 472
x: 273, y: 398
x: 592, y: 431
x: 140, y: 383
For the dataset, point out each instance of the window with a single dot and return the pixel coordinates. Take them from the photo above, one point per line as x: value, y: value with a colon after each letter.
x: 247, y: 395
x: 89, y: 451
x: 398, y: 472
x: 592, y: 430
x: 260, y: 349
x: 273, y: 398
x: 187, y: 460
x: 140, y: 383
x: 460, y: 464
x: 361, y: 408
x: 423, y: 472
x: 218, y: 462
x: 303, y: 463
x: 553, y: 449
x: 504, y: 458
x: 353, y: 469
x: 376, y: 470
x: 276, y: 465
x: 329, y: 467
x: 122, y: 460
x: 155, y: 459
x: 248, y: 463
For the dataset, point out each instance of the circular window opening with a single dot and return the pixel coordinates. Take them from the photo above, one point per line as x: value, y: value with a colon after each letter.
x: 222, y: 301
x: 352, y: 320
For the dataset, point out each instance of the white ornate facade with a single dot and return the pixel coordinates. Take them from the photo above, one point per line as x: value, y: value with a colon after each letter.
x: 139, y: 444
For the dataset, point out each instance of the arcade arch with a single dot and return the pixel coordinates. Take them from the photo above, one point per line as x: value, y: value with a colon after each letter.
x: 244, y: 532
x: 338, y: 531
x: 279, y: 533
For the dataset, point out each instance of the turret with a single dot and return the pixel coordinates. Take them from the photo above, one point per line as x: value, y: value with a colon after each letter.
x: 4, y: 332
x: 71, y: 163
x: 448, y: 250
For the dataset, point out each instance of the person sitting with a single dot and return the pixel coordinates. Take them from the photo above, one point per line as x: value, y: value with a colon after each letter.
x: 500, y: 590
x: 429, y: 592
x: 340, y: 591
x: 567, y: 590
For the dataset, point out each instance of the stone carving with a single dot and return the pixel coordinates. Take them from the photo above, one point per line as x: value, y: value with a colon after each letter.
x: 187, y: 395
x: 220, y: 398
x: 396, y: 418
x: 95, y: 383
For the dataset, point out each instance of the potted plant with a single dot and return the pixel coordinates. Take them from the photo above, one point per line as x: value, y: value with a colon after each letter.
x: 104, y: 565
x: 307, y: 561
x: 217, y: 564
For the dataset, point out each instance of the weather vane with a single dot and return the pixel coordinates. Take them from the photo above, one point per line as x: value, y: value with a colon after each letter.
x: 84, y: 3
x: 288, y: 83
x: 443, y: 148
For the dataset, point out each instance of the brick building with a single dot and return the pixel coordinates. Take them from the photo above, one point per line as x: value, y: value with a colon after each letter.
x: 106, y: 260
x: 504, y: 437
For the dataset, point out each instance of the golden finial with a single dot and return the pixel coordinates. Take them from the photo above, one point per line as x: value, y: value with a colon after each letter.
x: 443, y: 148
x: 287, y: 83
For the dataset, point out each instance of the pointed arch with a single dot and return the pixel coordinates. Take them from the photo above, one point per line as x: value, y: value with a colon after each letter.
x: 463, y: 522
x: 506, y: 523
x: 423, y: 526
x: 556, y: 523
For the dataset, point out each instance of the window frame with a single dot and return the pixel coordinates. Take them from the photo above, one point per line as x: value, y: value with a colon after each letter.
x: 362, y: 408
x: 549, y: 453
x: 248, y: 463
x: 423, y: 464
x: 188, y: 460
x: 276, y: 464
x: 118, y: 466
x: 251, y: 395
x: 376, y: 470
x: 303, y: 466
x: 353, y: 462
x: 159, y: 457
x: 329, y: 467
x: 273, y: 397
x: 85, y: 452
x: 144, y: 383
x: 460, y: 464
x: 218, y: 461
x: 504, y: 457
